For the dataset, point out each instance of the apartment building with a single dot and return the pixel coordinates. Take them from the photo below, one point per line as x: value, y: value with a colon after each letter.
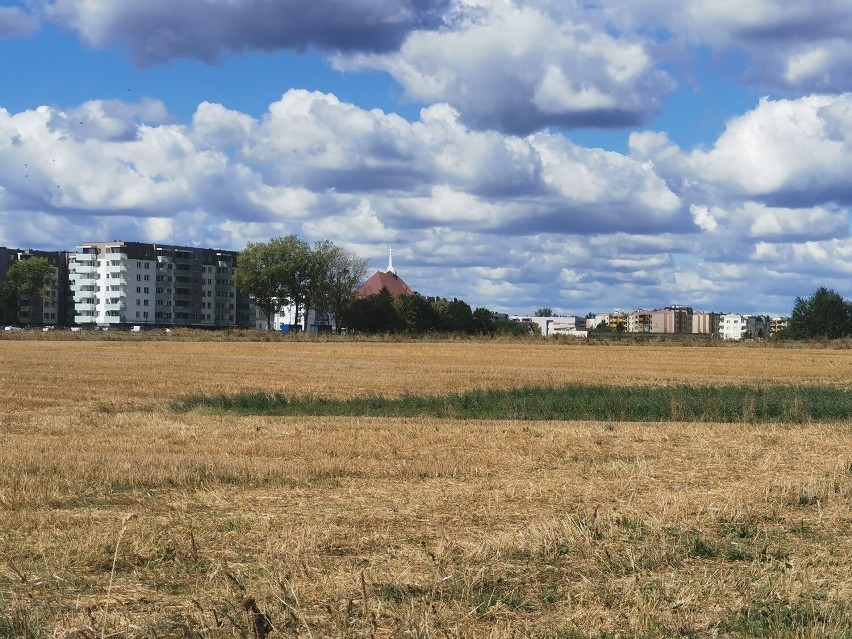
x: 131, y: 283
x: 50, y: 310
x: 778, y: 324
x: 705, y: 322
x: 732, y: 326
x: 757, y: 326
x: 668, y: 320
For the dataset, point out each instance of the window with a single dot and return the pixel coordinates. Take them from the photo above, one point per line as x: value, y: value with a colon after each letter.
x: 138, y: 289
x: 146, y: 289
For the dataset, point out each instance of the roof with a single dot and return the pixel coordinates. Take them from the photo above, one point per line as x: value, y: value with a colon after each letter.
x: 381, y: 279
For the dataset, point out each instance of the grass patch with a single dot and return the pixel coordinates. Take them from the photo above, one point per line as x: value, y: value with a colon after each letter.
x: 728, y: 404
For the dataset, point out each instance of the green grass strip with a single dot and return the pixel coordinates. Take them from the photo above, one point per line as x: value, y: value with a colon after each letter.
x: 795, y: 404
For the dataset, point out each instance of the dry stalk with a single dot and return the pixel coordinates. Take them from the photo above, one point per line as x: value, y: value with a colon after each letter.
x: 127, y: 519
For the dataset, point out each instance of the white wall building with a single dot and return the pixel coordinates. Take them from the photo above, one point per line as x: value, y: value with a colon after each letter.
x: 732, y: 326
x: 551, y: 326
x: 130, y: 283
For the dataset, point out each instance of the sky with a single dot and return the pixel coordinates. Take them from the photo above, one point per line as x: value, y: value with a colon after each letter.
x: 516, y: 154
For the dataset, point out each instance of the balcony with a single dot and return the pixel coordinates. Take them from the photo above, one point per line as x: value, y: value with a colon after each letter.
x: 117, y: 269
x: 81, y: 308
x: 83, y: 267
x: 119, y: 306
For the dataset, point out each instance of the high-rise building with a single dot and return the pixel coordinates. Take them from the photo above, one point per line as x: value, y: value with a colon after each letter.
x: 132, y: 283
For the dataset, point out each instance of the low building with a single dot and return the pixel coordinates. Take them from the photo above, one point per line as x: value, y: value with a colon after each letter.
x: 553, y: 326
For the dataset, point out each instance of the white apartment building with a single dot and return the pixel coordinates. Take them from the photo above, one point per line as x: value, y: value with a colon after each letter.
x: 732, y: 326
x: 131, y: 283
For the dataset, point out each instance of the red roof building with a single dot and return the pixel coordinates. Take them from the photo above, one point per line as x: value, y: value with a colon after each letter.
x: 388, y: 279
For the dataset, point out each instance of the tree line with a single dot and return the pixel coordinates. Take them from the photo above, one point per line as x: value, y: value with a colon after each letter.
x: 324, y: 278
x: 384, y: 313
x: 823, y: 315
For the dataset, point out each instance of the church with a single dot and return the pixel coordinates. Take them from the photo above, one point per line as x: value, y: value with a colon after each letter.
x: 384, y: 279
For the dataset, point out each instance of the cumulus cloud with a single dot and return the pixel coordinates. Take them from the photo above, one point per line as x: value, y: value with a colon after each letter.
x: 793, y: 153
x: 519, y: 68
x: 790, y: 45
x: 155, y: 31
x: 489, y: 217
x: 16, y: 23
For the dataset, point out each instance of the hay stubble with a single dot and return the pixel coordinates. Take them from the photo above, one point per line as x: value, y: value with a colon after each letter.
x: 458, y: 528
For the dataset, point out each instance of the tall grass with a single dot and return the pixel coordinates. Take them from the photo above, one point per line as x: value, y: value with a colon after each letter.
x: 600, y: 403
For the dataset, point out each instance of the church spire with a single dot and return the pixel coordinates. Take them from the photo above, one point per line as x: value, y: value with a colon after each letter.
x: 390, y: 268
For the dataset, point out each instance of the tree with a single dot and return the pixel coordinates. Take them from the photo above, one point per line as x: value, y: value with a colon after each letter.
x: 297, y: 271
x: 415, y: 313
x: 261, y: 274
x: 483, y: 322
x: 825, y: 315
x: 453, y: 316
x: 346, y: 272
x: 544, y: 312
x: 31, y: 277
x: 317, y: 277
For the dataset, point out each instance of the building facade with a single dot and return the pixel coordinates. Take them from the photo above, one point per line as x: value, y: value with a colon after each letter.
x: 705, y: 322
x: 131, y: 283
x: 668, y: 320
x: 732, y: 326
x: 51, y: 310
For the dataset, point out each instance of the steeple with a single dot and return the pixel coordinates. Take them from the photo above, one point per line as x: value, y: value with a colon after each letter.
x: 390, y: 268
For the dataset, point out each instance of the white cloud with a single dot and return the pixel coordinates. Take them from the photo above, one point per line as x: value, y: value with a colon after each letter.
x: 155, y: 31
x: 786, y: 152
x: 790, y: 45
x: 517, y: 67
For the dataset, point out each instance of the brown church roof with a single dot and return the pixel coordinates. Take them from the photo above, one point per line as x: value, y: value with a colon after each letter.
x: 391, y: 281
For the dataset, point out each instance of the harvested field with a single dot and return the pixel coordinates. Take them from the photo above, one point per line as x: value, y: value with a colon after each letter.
x: 120, y: 517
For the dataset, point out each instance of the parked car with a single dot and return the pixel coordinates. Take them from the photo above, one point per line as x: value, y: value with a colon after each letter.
x: 13, y: 328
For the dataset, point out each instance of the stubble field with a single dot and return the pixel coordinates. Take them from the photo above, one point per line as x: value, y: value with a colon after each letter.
x: 122, y: 517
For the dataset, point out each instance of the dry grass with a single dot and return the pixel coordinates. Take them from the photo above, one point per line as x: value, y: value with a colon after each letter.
x: 410, y: 528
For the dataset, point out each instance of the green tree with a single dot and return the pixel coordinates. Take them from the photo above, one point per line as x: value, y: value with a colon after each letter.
x: 261, y: 274
x: 415, y: 313
x: 544, y: 312
x: 346, y: 271
x: 298, y: 273
x: 825, y: 314
x: 317, y: 277
x: 453, y: 316
x: 33, y: 277
x: 483, y: 322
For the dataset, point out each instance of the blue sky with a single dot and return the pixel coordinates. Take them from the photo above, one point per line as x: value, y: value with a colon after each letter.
x: 515, y: 153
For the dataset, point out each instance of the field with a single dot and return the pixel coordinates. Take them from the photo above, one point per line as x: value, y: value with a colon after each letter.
x: 123, y: 517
